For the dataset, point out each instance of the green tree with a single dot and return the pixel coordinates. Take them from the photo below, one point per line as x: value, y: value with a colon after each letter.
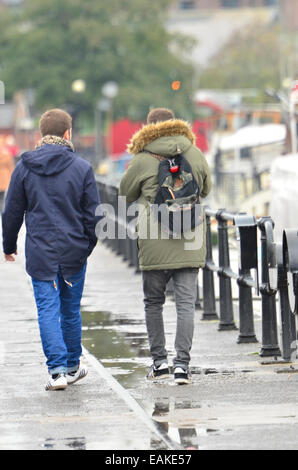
x: 48, y: 44
x: 249, y: 60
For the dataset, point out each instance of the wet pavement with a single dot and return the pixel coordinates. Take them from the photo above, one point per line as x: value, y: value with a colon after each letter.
x: 92, y: 414
x: 234, y: 402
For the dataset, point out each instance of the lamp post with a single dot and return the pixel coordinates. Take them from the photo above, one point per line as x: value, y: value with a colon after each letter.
x: 109, y: 91
x: 78, y: 88
x: 102, y: 105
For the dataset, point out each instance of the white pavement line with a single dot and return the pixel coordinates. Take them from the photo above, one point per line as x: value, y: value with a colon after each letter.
x: 129, y: 400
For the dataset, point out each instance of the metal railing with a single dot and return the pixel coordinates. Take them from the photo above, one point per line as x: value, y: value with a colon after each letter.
x: 276, y: 270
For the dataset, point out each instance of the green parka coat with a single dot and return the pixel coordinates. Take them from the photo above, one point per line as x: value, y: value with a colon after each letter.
x: 140, y: 182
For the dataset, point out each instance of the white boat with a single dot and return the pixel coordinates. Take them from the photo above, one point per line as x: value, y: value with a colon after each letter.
x: 242, y: 163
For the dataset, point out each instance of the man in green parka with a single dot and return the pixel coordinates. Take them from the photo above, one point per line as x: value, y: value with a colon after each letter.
x: 163, y: 258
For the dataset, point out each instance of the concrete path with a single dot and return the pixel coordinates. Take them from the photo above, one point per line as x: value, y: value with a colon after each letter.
x: 96, y: 413
x: 234, y: 402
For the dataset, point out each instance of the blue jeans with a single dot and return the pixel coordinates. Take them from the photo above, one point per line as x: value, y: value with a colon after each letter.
x: 59, y: 317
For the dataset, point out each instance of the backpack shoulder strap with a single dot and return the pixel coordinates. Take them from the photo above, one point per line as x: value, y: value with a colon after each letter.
x: 158, y: 157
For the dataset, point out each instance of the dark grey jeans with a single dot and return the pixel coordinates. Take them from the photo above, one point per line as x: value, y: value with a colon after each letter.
x: 154, y: 285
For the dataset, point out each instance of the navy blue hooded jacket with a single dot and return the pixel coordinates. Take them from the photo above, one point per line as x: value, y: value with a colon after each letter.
x: 56, y: 191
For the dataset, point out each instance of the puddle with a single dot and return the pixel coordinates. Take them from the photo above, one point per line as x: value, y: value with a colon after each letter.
x: 73, y: 443
x: 208, y: 371
x: 187, y: 436
x: 121, y: 344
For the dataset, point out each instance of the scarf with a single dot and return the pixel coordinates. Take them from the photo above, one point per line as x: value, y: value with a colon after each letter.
x: 55, y: 140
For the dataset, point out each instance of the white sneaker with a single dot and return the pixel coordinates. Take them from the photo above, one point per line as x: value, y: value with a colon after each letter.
x: 182, y: 376
x: 158, y: 373
x: 73, y: 377
x: 57, y: 383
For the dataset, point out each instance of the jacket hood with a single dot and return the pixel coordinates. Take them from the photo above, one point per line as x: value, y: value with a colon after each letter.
x: 48, y: 160
x: 167, y: 138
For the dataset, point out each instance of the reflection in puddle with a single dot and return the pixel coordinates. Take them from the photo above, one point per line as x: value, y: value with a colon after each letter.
x: 121, y: 345
x: 186, y: 436
x: 75, y: 443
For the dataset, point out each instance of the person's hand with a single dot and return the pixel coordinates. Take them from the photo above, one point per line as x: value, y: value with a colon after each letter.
x: 10, y: 258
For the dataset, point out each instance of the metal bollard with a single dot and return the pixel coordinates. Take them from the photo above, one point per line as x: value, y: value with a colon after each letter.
x: 209, y: 308
x: 225, y: 288
x: 131, y: 260
x: 198, y: 300
x: 246, y: 320
x: 268, y: 290
x: 248, y: 259
x: 288, y: 323
x: 288, y: 291
x: 136, y: 256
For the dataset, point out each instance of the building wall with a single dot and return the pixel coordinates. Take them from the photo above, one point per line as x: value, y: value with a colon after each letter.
x: 289, y: 13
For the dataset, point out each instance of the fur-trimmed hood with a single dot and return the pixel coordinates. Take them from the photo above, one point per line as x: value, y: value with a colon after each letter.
x: 151, y: 132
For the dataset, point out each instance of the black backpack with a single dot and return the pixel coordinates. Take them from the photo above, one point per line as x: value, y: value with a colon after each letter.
x: 178, y: 196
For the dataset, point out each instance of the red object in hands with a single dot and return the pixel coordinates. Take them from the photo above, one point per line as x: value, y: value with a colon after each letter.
x: 174, y: 169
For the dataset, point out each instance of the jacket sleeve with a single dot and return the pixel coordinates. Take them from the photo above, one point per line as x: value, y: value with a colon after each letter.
x: 207, y: 185
x: 15, y: 208
x: 90, y: 205
x: 130, y: 185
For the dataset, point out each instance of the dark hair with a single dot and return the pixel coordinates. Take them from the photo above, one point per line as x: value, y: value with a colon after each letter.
x: 55, y: 122
x: 160, y: 115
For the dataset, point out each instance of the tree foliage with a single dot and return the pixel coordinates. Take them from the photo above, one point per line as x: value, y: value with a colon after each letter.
x: 249, y: 60
x: 48, y: 44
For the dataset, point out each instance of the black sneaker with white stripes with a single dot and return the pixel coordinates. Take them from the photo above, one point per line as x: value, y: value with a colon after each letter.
x: 158, y: 373
x: 182, y: 376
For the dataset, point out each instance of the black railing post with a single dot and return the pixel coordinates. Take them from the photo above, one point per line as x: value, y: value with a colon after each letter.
x: 246, y: 319
x: 268, y: 290
x: 287, y: 254
x: 209, y: 307
x: 225, y: 287
x: 198, y: 300
x: 118, y: 244
x: 136, y: 261
x: 246, y: 227
x: 288, y: 323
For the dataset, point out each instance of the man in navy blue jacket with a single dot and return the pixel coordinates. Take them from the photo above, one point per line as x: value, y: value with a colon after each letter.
x: 56, y: 191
